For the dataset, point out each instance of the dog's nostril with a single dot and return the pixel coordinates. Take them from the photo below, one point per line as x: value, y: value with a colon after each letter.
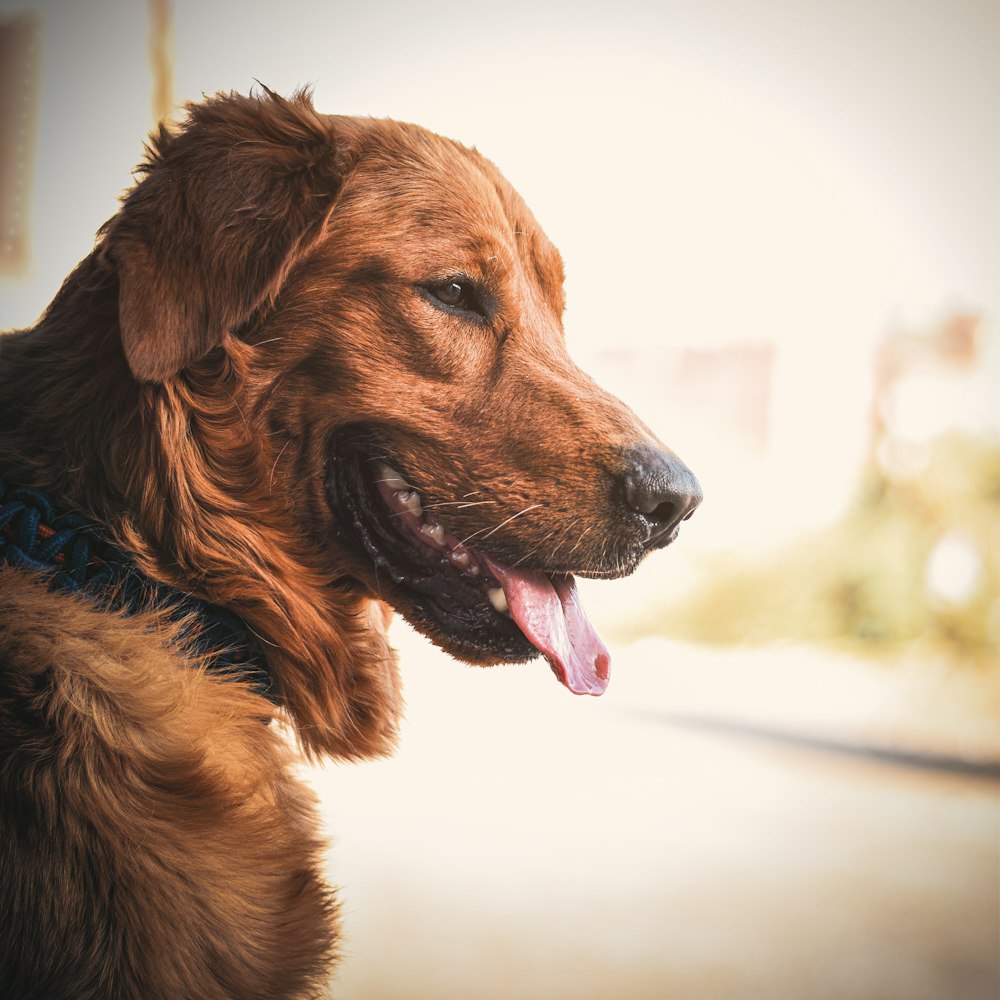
x: 664, y: 513
x: 661, y: 488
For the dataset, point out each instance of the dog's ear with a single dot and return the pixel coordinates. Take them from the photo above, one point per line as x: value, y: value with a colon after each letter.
x: 224, y: 209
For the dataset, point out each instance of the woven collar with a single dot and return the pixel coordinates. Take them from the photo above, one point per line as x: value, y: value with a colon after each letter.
x: 74, y: 555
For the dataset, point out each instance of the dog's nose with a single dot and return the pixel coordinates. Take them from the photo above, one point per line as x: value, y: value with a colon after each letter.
x: 662, y: 489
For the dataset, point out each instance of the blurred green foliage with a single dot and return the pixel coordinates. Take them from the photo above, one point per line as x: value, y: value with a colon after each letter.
x: 863, y: 582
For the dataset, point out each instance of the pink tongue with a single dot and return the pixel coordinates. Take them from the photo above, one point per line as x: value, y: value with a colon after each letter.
x: 548, y: 611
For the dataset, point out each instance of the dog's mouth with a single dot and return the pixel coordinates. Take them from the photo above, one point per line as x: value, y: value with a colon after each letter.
x: 474, y: 606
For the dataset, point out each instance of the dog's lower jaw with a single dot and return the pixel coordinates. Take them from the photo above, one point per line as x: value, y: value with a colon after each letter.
x: 467, y: 602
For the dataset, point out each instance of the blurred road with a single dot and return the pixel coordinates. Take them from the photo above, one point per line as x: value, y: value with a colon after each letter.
x: 652, y: 844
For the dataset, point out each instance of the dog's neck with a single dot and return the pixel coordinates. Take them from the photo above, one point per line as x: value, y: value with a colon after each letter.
x: 156, y: 464
x: 73, y: 556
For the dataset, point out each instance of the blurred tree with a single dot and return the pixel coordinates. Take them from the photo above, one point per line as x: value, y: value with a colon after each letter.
x: 915, y: 560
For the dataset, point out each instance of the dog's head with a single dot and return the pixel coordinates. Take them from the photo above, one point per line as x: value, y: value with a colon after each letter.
x: 396, y: 310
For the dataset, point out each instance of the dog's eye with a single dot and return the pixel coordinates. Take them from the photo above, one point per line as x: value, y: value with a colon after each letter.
x: 452, y: 294
x: 459, y: 294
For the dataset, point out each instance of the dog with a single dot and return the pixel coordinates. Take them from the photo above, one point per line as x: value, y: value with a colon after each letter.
x: 313, y: 371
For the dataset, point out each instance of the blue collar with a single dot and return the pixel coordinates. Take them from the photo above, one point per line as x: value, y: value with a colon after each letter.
x: 74, y: 556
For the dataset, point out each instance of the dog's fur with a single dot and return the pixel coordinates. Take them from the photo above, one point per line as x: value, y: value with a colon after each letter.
x: 255, y: 296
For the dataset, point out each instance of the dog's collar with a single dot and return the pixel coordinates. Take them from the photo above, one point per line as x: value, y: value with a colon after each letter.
x: 74, y: 556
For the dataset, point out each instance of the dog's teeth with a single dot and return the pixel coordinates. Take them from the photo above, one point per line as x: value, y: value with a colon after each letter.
x: 434, y: 532
x: 460, y: 559
x: 410, y: 499
x: 388, y: 475
x: 498, y: 599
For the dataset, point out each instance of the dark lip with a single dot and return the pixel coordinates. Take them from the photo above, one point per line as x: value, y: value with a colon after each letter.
x: 437, y: 600
x: 662, y: 539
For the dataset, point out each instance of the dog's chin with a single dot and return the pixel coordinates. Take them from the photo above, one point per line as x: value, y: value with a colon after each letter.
x: 446, y: 590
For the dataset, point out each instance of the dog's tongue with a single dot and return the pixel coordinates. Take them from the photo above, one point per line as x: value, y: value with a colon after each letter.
x: 549, y: 612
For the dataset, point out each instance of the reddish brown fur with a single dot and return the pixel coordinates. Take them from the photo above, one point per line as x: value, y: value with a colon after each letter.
x: 153, y: 842
x: 253, y: 295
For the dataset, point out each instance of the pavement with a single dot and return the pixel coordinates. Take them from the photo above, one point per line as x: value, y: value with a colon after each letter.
x: 721, y: 825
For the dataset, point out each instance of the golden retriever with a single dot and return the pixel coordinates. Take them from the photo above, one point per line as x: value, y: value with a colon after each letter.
x: 314, y: 369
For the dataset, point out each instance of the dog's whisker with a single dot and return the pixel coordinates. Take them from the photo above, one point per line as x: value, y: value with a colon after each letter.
x: 579, y: 541
x: 530, y: 553
x: 491, y: 531
x: 443, y: 503
x: 548, y: 537
x: 511, y: 518
x: 459, y: 503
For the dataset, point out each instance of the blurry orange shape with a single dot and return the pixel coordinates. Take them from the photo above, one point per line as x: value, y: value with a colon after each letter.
x: 19, y: 65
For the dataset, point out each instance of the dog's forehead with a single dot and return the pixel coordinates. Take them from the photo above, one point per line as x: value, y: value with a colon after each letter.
x: 429, y: 171
x: 429, y: 191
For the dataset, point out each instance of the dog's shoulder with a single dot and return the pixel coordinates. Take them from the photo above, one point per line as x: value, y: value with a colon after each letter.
x: 44, y: 631
x: 132, y: 784
x: 79, y: 673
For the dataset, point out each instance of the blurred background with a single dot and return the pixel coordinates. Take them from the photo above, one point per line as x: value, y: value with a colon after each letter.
x: 779, y: 221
